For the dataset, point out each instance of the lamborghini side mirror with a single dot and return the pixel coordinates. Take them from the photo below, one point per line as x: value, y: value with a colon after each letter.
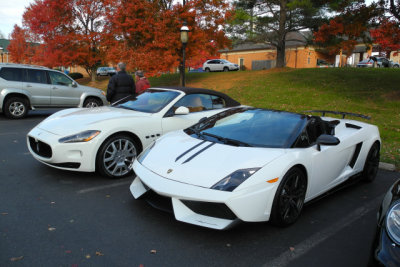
x: 327, y: 140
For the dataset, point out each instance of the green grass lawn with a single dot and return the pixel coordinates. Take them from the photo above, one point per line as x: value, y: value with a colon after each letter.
x: 373, y: 92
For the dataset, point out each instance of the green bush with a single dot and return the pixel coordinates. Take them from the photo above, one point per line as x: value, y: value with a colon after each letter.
x: 75, y: 75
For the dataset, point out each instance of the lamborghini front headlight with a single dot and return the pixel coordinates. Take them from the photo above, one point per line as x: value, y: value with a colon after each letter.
x: 233, y: 180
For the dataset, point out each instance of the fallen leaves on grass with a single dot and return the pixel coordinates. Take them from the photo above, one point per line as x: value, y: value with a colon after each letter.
x: 17, y: 258
x: 98, y: 253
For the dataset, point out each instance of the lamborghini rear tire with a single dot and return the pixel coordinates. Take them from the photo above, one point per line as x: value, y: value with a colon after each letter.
x: 371, y: 163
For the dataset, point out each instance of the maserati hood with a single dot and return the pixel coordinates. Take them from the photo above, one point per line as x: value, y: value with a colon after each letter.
x: 179, y: 157
x: 78, y: 119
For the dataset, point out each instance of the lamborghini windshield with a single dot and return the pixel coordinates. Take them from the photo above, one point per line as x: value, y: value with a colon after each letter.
x: 251, y: 127
x: 151, y: 101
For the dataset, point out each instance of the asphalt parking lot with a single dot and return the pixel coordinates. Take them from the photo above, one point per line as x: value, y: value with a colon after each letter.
x: 50, y: 217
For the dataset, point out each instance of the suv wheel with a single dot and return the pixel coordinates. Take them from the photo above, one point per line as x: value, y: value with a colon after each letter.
x: 16, y: 108
x: 207, y: 70
x: 226, y: 69
x: 92, y: 102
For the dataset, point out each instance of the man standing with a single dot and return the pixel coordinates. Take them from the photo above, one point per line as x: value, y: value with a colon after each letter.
x: 141, y: 82
x: 120, y: 85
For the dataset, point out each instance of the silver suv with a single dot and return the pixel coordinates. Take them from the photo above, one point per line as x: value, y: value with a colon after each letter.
x: 219, y: 65
x: 25, y: 87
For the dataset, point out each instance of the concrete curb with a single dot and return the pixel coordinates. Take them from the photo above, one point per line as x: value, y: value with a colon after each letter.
x: 387, y: 166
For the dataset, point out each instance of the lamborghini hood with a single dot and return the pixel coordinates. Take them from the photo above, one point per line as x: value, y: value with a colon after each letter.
x: 78, y: 119
x: 179, y: 157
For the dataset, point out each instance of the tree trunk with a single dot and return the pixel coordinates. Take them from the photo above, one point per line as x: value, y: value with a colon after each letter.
x: 280, y: 54
x: 280, y: 49
x: 93, y: 75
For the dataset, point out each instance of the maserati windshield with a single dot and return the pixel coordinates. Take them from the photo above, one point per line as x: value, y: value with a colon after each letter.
x: 151, y: 101
x: 251, y: 127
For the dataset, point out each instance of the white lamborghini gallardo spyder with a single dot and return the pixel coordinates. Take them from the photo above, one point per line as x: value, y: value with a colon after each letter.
x: 250, y: 164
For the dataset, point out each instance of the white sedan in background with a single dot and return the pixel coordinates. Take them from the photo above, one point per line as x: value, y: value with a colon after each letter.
x: 107, y: 139
x: 219, y: 65
x: 248, y: 164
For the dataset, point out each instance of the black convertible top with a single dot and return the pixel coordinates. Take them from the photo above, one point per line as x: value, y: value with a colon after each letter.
x: 230, y: 102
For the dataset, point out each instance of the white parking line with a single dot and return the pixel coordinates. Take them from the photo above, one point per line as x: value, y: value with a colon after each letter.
x: 302, y: 248
x: 9, y: 133
x: 102, y: 187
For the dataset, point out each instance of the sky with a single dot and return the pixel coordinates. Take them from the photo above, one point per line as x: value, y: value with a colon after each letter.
x: 11, y: 13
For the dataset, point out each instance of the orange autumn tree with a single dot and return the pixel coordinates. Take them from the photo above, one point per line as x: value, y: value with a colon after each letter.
x: 69, y: 30
x: 387, y: 35
x: 145, y: 34
x: 343, y: 32
x: 19, y: 47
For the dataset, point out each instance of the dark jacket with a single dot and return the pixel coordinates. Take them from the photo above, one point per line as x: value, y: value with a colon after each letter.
x: 120, y: 85
x: 142, y: 85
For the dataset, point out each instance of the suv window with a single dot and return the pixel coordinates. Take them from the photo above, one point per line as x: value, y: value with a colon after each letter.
x: 57, y: 78
x: 11, y: 74
x: 36, y: 76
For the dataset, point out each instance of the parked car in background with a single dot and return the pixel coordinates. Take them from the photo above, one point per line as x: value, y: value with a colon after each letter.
x: 386, y: 245
x: 106, y: 71
x: 367, y: 63
x: 196, y: 70
x: 219, y: 65
x: 254, y: 165
x: 394, y: 64
x: 382, y: 62
x: 323, y: 64
x: 376, y: 62
x: 107, y: 139
x: 25, y: 87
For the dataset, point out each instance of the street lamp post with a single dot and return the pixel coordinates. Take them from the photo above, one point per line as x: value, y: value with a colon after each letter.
x: 184, y: 40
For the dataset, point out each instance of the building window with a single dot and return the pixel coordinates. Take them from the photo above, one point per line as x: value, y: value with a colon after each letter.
x: 308, y: 61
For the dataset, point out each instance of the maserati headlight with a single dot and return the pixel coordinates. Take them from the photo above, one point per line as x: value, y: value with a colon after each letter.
x: 393, y: 222
x: 80, y: 137
x: 143, y: 155
x: 233, y: 180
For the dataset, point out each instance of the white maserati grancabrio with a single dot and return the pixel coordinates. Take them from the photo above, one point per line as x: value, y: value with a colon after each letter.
x: 248, y: 164
x: 107, y: 139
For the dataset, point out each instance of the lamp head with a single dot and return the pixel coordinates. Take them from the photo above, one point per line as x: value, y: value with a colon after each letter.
x: 184, y: 34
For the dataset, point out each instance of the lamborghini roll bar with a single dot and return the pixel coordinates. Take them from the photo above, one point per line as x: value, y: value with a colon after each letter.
x: 338, y: 113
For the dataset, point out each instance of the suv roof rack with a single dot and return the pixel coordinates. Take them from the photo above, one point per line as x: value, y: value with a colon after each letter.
x: 23, y: 65
x: 338, y: 113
